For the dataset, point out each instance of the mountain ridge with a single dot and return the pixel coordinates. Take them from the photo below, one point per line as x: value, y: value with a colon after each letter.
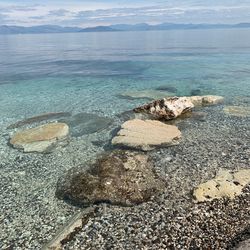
x: 6, y: 29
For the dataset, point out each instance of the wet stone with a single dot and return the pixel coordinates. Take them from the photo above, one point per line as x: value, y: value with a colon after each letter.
x: 146, y: 135
x: 86, y: 123
x: 120, y: 178
x: 40, y: 139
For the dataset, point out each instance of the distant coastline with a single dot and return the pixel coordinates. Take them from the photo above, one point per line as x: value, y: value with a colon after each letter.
x: 42, y: 29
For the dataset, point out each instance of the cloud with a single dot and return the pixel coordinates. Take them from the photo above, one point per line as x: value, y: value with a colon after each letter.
x: 59, y: 12
x: 96, y: 12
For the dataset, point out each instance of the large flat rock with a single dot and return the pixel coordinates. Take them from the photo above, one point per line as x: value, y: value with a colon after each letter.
x: 120, y: 178
x: 146, y: 135
x: 41, y: 138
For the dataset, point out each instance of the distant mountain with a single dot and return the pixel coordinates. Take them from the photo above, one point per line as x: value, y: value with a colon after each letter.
x: 4, y: 29
x: 174, y: 26
x: 37, y: 29
x: 99, y: 29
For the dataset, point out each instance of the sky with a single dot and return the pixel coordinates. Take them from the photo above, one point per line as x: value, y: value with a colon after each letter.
x: 96, y: 12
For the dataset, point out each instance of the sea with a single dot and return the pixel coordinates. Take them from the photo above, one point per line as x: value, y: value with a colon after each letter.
x: 96, y: 74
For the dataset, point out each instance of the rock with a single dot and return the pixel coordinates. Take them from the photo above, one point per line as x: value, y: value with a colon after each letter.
x: 244, y: 245
x: 40, y: 139
x: 167, y: 108
x: 146, y: 94
x: 239, y: 111
x: 85, y: 123
x: 120, y: 178
x: 206, y: 100
x: 225, y: 184
x: 167, y: 88
x: 39, y: 118
x: 146, y: 135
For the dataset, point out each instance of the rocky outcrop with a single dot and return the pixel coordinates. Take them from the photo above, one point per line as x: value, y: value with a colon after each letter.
x: 206, y: 100
x: 146, y: 135
x: 225, y: 184
x: 173, y: 107
x: 122, y: 178
x: 239, y: 111
x: 40, y: 139
x: 167, y: 108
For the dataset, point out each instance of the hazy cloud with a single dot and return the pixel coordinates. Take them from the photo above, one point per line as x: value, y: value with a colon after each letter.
x: 97, y: 12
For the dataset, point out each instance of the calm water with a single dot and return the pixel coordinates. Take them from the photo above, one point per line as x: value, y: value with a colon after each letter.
x: 87, y: 72
x: 41, y: 73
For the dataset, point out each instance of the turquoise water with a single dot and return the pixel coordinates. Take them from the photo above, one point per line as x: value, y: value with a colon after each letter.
x: 41, y: 73
x: 87, y: 73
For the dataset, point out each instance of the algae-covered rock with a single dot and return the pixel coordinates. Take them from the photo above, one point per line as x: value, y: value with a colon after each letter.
x: 121, y: 177
x: 86, y: 123
x: 41, y: 138
x: 225, y: 184
x: 39, y: 118
x: 146, y: 135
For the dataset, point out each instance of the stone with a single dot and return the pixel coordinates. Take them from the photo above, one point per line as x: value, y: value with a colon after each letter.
x: 226, y: 184
x: 86, y: 123
x: 121, y: 178
x: 39, y: 118
x: 146, y: 94
x: 40, y: 139
x: 146, y: 135
x: 167, y: 108
x: 206, y: 100
x: 239, y: 111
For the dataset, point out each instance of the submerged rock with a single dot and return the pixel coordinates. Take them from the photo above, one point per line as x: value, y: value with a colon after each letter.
x: 225, y: 184
x: 85, y: 123
x: 239, y: 111
x: 39, y: 118
x: 167, y: 108
x: 40, y: 139
x: 146, y: 135
x: 167, y: 88
x: 206, y: 100
x: 122, y: 178
x: 146, y: 94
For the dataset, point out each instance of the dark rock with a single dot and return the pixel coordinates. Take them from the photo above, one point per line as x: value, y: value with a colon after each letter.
x: 39, y: 118
x: 85, y: 123
x: 121, y: 177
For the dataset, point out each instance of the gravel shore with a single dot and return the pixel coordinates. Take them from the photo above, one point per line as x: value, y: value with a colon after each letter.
x: 31, y: 215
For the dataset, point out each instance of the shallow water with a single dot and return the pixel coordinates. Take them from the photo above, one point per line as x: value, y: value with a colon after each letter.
x: 86, y: 73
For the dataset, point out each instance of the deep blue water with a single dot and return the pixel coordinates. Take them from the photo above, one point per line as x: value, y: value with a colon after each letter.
x: 60, y: 72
